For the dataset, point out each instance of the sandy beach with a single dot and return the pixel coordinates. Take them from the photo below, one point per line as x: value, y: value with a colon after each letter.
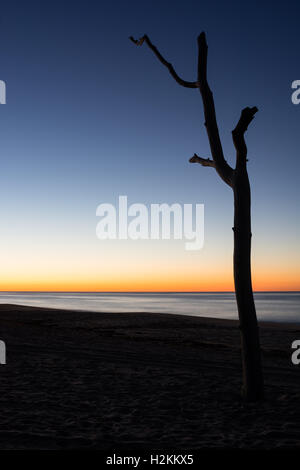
x: 80, y: 380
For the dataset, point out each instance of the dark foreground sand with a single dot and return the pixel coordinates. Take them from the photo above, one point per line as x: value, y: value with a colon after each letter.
x: 76, y: 380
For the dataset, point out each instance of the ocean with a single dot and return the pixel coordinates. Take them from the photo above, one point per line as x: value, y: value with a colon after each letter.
x: 270, y: 306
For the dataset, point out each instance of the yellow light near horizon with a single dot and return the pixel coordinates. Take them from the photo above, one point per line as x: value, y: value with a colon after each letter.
x: 146, y: 282
x: 136, y: 270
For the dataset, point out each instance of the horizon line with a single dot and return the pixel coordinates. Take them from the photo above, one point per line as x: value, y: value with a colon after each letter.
x: 139, y: 292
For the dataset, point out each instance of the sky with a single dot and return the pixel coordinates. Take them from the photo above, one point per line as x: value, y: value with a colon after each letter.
x: 89, y: 117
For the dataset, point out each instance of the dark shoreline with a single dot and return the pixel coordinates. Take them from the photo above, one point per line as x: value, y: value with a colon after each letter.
x: 80, y: 380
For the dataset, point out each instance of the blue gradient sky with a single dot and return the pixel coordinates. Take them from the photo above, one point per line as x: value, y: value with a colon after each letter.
x: 89, y: 117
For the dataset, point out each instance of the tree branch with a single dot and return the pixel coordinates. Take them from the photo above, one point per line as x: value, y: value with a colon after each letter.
x: 202, y: 161
x: 169, y: 66
x: 224, y: 170
x: 238, y: 135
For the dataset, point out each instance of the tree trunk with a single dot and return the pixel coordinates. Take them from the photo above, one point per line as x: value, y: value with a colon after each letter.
x: 251, y: 360
x: 238, y: 180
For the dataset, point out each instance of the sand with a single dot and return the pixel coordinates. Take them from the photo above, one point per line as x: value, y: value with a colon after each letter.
x: 80, y: 380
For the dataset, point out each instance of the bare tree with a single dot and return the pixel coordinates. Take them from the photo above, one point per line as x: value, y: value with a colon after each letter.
x: 237, y: 179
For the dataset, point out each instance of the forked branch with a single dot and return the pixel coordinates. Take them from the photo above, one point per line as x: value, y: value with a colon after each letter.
x: 238, y: 135
x: 224, y: 170
x: 218, y: 161
x: 169, y: 66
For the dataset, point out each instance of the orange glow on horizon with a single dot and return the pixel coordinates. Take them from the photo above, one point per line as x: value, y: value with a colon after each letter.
x: 123, y: 271
x: 145, y: 283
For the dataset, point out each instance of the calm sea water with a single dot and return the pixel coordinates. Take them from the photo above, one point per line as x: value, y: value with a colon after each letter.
x: 271, y: 306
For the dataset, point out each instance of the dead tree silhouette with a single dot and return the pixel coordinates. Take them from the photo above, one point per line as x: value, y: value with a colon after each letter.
x: 237, y: 179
